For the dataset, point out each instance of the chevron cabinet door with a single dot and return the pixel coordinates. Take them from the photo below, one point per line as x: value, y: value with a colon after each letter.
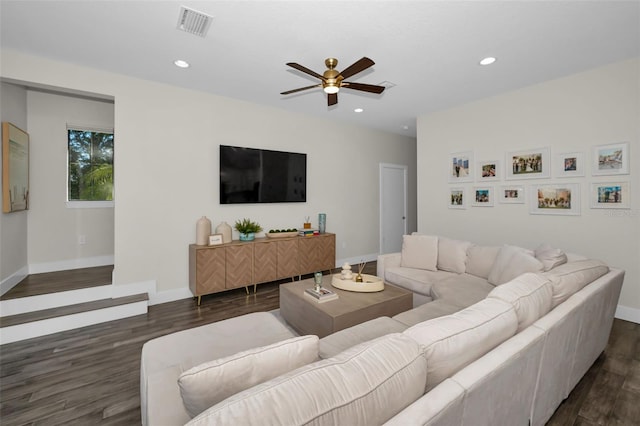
x: 239, y: 265
x: 265, y: 259
x: 206, y: 270
x: 287, y: 252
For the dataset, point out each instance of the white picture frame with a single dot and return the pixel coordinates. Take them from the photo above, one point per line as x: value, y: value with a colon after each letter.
x: 457, y: 198
x: 488, y: 170
x: 215, y: 239
x: 528, y: 164
x: 569, y: 164
x: 611, y: 159
x: 460, y: 167
x: 610, y: 195
x: 511, y: 194
x: 555, y: 199
x: 482, y: 196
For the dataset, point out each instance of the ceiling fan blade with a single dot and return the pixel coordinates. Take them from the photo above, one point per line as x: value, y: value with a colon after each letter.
x: 305, y: 70
x: 288, y: 92
x: 371, y: 88
x: 357, y: 67
x: 332, y: 99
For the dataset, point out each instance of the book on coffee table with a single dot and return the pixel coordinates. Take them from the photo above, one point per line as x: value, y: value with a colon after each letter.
x: 321, y: 296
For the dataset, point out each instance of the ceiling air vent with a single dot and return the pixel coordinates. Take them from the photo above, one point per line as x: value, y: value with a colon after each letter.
x: 194, y: 22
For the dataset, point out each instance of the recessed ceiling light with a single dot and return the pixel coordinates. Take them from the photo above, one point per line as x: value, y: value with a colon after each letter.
x: 488, y: 60
x: 180, y: 63
x: 405, y: 127
x: 358, y: 110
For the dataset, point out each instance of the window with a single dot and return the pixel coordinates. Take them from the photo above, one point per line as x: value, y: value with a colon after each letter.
x: 90, y: 165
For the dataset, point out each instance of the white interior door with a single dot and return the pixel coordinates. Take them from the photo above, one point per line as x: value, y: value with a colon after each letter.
x: 393, y: 207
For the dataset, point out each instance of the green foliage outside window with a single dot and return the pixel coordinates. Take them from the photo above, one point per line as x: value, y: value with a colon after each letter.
x: 90, y: 175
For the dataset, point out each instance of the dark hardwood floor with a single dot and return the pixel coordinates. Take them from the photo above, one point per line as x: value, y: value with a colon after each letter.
x: 91, y: 375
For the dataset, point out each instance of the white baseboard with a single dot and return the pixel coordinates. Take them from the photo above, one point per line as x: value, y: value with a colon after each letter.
x: 169, y: 296
x: 628, y: 314
x: 13, y: 280
x: 64, y: 265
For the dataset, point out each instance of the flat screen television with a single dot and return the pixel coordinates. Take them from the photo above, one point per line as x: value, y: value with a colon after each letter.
x: 249, y: 175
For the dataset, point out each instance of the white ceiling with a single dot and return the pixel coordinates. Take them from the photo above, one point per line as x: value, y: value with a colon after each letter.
x: 428, y: 49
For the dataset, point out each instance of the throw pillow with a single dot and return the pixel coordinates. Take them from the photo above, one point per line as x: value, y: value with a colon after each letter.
x: 419, y: 252
x: 480, y: 260
x: 549, y: 256
x: 511, y: 262
x: 452, y: 255
x: 209, y: 383
x: 571, y: 277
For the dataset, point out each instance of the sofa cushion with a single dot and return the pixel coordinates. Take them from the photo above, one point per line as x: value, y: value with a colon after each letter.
x: 530, y: 295
x: 427, y: 311
x: 571, y: 277
x: 511, y: 262
x: 480, y: 259
x: 417, y: 280
x: 452, y: 255
x: 461, y: 290
x: 456, y: 340
x: 549, y: 256
x: 420, y: 252
x: 366, y: 384
x: 339, y: 341
x: 209, y: 383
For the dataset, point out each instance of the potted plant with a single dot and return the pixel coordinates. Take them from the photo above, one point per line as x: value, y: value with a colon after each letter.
x: 247, y: 229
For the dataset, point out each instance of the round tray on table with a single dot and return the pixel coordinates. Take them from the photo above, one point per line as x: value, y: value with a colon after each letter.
x: 369, y: 284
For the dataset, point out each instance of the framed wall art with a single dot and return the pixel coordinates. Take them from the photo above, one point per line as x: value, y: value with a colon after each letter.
x: 482, y: 196
x: 457, y: 198
x: 556, y: 199
x: 569, y: 164
x: 511, y: 194
x: 461, y: 167
x: 529, y: 164
x: 15, y: 168
x: 610, y: 195
x: 612, y: 159
x: 488, y: 171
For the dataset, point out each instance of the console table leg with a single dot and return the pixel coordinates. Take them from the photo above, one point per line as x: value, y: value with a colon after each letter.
x: 199, y: 300
x: 255, y: 288
x: 246, y: 289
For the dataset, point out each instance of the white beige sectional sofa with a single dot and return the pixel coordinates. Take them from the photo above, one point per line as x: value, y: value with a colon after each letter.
x: 490, y: 345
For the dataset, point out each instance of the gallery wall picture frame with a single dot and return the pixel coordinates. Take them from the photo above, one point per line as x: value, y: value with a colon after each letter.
x: 569, y: 164
x: 482, y: 196
x: 488, y: 171
x: 511, y: 194
x: 457, y: 198
x: 460, y: 167
x: 555, y: 199
x: 15, y: 168
x: 528, y: 164
x: 610, y: 195
x: 611, y: 159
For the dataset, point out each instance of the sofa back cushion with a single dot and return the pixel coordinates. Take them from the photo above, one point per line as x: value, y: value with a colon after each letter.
x: 209, y: 383
x: 511, y: 262
x: 549, y: 256
x: 456, y: 340
x: 452, y: 255
x: 366, y: 384
x: 480, y: 260
x: 530, y: 295
x: 420, y: 252
x: 571, y: 277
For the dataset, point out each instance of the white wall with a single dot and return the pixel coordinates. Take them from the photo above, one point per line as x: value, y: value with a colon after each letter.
x: 571, y: 114
x: 54, y: 229
x: 13, y: 226
x: 166, y: 168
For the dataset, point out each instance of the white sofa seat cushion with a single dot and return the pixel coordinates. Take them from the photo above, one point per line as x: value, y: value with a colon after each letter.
x: 367, y: 384
x: 420, y: 252
x: 211, y: 382
x: 549, y: 256
x: 416, y: 280
x: 452, y: 255
x: 461, y: 290
x: 480, y: 260
x: 511, y: 262
x: 454, y: 341
x: 427, y: 311
x: 571, y: 277
x: 530, y: 295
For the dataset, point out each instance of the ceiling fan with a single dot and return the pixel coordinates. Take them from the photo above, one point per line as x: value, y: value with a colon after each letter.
x: 333, y: 80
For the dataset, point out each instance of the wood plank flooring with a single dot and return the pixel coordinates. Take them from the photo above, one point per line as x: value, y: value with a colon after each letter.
x: 91, y: 375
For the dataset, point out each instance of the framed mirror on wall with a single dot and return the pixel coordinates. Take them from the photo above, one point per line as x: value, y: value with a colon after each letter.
x: 15, y: 168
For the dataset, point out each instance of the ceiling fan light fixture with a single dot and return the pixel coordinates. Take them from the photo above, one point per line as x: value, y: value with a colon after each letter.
x: 331, y: 89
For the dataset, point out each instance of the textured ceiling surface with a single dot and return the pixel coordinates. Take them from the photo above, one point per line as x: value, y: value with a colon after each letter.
x: 428, y: 49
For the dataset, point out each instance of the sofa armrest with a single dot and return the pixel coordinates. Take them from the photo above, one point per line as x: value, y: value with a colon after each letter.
x: 386, y: 261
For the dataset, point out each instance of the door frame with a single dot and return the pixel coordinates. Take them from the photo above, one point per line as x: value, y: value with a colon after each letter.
x: 404, y: 169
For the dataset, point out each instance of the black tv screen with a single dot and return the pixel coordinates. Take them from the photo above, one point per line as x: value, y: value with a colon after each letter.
x: 249, y: 175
